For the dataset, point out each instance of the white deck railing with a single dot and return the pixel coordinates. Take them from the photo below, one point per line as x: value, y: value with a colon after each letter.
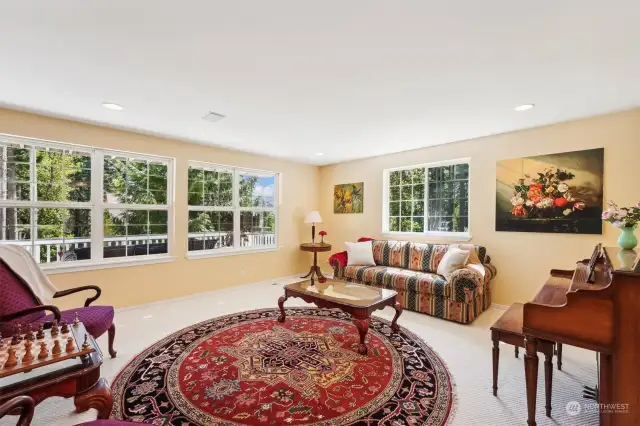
x: 63, y: 245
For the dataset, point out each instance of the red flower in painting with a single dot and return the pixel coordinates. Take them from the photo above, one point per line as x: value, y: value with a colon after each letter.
x: 560, y: 202
x: 518, y: 211
x: 534, y: 194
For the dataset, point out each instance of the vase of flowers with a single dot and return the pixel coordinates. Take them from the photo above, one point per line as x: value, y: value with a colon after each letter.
x: 322, y: 234
x: 626, y: 219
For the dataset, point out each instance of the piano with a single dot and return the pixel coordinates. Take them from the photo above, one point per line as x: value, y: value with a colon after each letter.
x: 595, y: 307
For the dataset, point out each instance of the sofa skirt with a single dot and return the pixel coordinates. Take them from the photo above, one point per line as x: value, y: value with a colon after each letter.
x: 462, y: 312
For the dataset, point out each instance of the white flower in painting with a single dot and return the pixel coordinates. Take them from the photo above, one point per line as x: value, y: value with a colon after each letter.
x: 550, y: 189
x: 567, y: 212
x: 529, y: 203
x: 563, y: 187
x: 517, y: 200
x: 568, y: 196
x: 545, y: 203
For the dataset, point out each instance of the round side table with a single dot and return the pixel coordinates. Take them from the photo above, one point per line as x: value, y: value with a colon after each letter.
x: 315, y: 248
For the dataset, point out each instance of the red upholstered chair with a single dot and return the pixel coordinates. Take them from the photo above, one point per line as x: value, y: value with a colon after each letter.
x: 18, y: 304
x: 26, y: 406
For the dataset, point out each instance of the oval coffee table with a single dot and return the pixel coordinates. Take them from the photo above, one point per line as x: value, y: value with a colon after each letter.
x: 358, y: 300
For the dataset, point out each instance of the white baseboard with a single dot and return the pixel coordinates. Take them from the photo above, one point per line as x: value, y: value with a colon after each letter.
x: 501, y: 307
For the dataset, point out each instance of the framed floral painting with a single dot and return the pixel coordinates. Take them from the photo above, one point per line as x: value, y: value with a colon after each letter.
x: 348, y: 198
x: 556, y: 193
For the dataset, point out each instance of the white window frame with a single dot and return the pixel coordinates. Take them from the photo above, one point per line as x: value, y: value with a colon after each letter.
x: 458, y: 236
x: 236, y: 209
x: 97, y: 206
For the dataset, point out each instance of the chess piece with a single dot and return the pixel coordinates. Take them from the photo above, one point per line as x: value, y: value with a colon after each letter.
x: 65, y: 327
x: 28, y: 356
x: 40, y: 333
x: 70, y: 346
x: 17, y: 335
x: 85, y: 344
x: 56, y: 348
x: 1, y: 341
x: 29, y: 336
x: 44, y: 352
x: 54, y: 328
x: 76, y: 320
x: 12, y: 361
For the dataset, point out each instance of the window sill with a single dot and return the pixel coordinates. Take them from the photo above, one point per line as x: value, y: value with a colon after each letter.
x: 202, y: 254
x: 89, y: 265
x: 453, y: 236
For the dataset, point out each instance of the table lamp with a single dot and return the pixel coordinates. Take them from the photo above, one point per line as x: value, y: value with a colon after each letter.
x: 313, y: 218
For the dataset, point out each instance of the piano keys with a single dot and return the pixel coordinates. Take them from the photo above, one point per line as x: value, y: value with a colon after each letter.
x: 595, y: 307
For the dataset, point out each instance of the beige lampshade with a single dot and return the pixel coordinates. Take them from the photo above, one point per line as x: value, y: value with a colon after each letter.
x: 313, y: 217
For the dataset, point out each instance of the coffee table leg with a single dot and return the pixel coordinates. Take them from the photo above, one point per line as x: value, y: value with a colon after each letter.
x: 281, y: 301
x: 394, y: 324
x: 98, y: 397
x: 363, y: 327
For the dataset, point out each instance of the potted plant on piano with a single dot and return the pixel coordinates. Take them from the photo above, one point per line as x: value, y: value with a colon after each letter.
x: 626, y: 219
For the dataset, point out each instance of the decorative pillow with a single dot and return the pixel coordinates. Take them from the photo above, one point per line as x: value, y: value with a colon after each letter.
x: 360, y: 254
x: 453, y: 259
x: 473, y: 254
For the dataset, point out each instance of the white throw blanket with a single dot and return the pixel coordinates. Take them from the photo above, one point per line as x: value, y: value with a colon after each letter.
x: 23, y: 264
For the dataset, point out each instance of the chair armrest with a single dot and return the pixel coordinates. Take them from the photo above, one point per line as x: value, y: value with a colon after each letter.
x: 26, y: 406
x: 338, y: 262
x: 53, y: 309
x: 89, y: 300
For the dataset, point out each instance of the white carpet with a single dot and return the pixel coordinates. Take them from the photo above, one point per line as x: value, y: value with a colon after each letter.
x: 465, y: 348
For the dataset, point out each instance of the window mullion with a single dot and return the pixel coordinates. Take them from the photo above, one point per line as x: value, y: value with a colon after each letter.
x: 236, y: 209
x: 426, y: 200
x: 97, y: 210
x: 33, y: 176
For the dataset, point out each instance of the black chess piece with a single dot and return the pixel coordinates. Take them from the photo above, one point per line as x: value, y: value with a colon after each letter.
x: 54, y: 328
x: 40, y: 333
x: 64, y: 327
x: 29, y: 336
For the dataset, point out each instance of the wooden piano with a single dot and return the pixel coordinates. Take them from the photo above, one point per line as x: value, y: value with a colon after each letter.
x: 596, y: 307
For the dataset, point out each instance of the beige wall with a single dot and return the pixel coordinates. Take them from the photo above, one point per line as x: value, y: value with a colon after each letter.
x: 523, y: 259
x: 141, y: 284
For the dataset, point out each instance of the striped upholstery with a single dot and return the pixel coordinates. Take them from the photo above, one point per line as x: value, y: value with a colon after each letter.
x: 410, y: 269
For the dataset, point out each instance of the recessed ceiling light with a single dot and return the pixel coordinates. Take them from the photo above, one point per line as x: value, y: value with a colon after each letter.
x: 319, y: 153
x: 110, y: 105
x: 524, y: 107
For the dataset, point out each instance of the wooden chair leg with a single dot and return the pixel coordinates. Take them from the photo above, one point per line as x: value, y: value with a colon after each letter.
x: 496, y: 360
x: 517, y: 351
x: 112, y: 335
x: 548, y: 376
x: 559, y: 355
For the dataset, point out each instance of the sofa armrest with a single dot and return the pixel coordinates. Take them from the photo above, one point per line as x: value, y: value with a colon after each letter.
x: 464, y: 282
x: 338, y: 262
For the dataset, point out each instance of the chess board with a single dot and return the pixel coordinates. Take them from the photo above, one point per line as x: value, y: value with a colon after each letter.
x: 76, y: 333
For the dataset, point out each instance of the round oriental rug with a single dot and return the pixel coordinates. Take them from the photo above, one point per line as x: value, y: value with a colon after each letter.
x: 249, y: 369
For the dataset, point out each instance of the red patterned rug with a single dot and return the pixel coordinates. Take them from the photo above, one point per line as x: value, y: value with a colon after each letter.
x: 249, y: 369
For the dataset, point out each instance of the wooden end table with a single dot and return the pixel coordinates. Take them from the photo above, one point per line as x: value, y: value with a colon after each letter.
x: 75, y: 377
x: 358, y: 300
x: 315, y: 248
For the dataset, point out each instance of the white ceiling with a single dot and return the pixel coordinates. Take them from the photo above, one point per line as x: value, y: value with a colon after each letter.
x: 349, y: 78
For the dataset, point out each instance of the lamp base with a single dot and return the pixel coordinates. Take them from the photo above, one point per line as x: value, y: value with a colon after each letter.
x: 313, y: 233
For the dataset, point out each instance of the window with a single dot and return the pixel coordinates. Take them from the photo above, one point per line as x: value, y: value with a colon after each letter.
x: 231, y: 209
x: 68, y: 203
x: 429, y: 198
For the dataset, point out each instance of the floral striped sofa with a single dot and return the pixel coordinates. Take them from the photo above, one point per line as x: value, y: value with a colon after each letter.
x: 410, y: 269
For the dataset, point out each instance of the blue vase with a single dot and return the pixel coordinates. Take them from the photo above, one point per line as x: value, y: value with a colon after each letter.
x: 627, y: 239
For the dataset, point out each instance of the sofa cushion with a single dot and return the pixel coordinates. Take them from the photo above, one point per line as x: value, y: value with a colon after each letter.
x: 426, y: 257
x: 398, y: 279
x: 391, y: 253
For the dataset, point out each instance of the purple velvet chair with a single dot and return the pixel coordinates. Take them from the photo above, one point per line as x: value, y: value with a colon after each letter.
x: 26, y: 407
x: 18, y: 304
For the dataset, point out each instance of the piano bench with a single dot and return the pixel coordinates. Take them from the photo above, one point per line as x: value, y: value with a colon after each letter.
x: 508, y: 329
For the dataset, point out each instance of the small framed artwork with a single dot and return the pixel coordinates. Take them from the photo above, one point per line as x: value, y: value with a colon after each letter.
x: 348, y: 198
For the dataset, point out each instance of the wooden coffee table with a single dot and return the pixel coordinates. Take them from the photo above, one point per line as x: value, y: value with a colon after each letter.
x: 358, y: 300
